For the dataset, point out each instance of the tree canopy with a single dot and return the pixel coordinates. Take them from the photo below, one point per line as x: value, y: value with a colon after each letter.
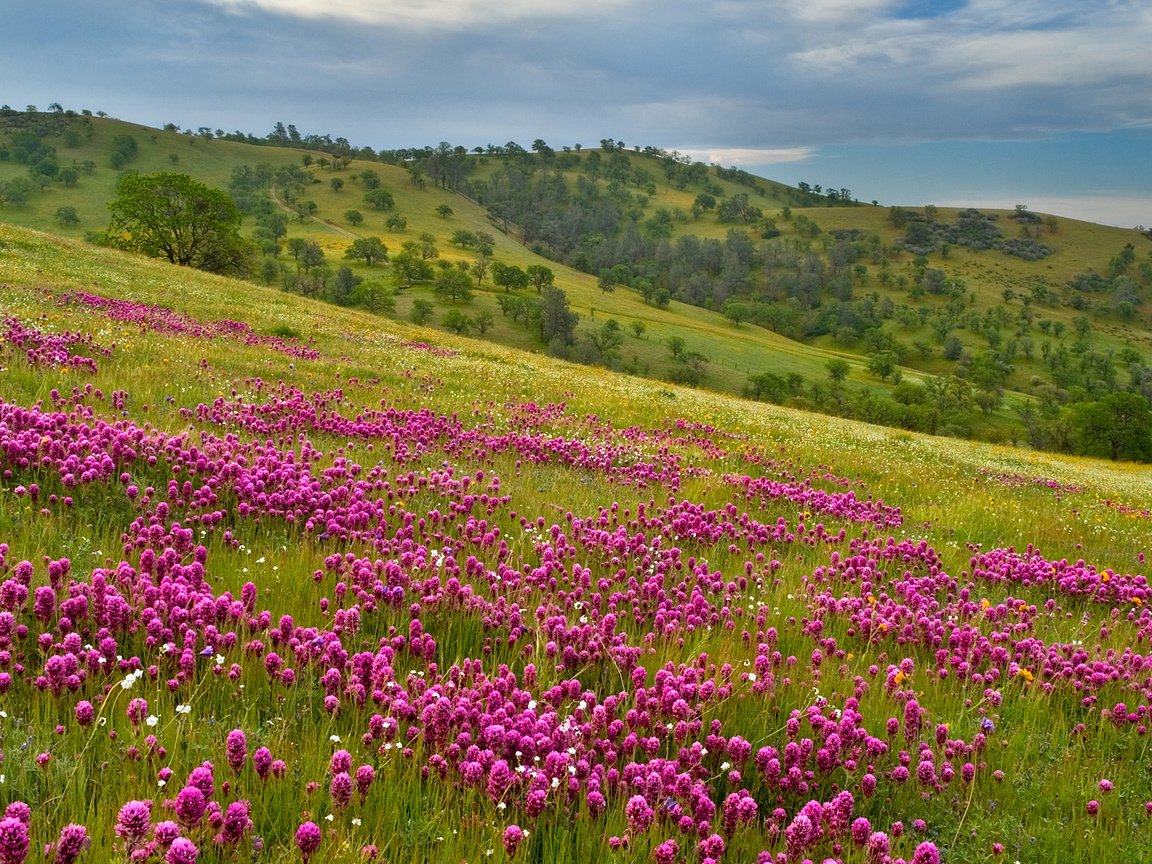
x: 173, y: 216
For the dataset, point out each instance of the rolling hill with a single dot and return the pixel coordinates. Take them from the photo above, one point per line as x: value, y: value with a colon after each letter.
x: 1010, y: 326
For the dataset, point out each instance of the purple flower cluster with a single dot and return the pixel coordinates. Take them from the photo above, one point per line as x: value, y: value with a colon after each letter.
x: 49, y: 349
x: 162, y: 320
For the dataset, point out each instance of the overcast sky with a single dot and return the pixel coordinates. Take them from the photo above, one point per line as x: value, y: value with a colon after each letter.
x: 994, y: 102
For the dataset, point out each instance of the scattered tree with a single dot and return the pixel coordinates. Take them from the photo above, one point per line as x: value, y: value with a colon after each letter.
x: 838, y: 370
x: 510, y: 277
x: 457, y: 322
x: 408, y: 268
x: 453, y: 284
x: 482, y: 321
x: 540, y: 277
x: 379, y: 198
x: 67, y: 216
x: 15, y: 191
x: 369, y: 249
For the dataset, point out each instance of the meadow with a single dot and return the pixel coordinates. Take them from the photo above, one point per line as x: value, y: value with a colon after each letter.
x: 286, y: 582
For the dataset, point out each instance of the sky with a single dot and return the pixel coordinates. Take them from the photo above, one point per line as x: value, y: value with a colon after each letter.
x: 975, y: 102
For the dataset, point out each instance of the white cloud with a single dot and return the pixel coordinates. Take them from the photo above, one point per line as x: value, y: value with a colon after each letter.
x: 984, y: 45
x: 1053, y: 58
x: 847, y: 12
x: 728, y: 156
x: 450, y: 14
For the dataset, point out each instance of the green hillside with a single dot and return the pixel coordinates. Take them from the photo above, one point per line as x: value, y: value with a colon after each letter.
x: 678, y: 271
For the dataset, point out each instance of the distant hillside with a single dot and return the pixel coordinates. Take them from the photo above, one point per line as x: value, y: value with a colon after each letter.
x: 1006, y: 325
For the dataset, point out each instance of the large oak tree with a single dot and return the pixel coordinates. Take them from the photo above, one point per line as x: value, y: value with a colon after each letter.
x: 173, y: 216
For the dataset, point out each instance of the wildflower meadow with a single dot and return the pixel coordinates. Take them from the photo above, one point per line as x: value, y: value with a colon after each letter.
x: 281, y: 582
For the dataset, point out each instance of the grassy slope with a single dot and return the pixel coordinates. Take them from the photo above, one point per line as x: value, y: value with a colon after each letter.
x: 949, y: 496
x: 927, y: 476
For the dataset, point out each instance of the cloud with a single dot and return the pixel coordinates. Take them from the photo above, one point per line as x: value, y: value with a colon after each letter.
x: 729, y: 156
x: 837, y: 12
x: 446, y: 14
x: 824, y: 84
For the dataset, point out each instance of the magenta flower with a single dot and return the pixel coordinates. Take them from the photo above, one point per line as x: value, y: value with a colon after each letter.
x: 1093, y: 807
x: 71, y: 843
x: 926, y: 853
x: 133, y: 823
x: 341, y: 790
x: 638, y: 813
x: 236, y: 750
x: 137, y: 711
x: 14, y: 841
x: 513, y: 837
x: 19, y: 810
x: 84, y: 712
x: 666, y: 852
x: 262, y: 762
x: 237, y: 822
x: 182, y: 851
x: 365, y: 776
x: 341, y: 761
x: 308, y: 837
x: 165, y: 832
x: 878, y: 846
x: 1106, y: 786
x: 190, y: 806
x: 202, y: 778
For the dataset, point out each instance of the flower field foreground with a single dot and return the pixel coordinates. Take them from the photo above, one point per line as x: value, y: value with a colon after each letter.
x: 283, y: 583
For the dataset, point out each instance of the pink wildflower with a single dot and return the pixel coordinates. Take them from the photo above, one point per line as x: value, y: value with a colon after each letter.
x: 14, y: 841
x: 182, y: 851
x: 513, y: 837
x: 71, y: 843
x: 308, y: 838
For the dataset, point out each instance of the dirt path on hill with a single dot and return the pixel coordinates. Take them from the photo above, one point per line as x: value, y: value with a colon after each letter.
x: 331, y: 226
